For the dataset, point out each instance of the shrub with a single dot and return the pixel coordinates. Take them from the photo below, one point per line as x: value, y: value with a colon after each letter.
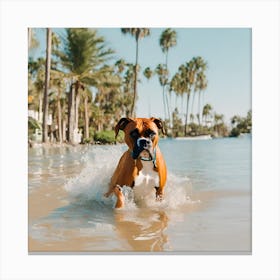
x: 104, y: 137
x: 107, y: 137
x: 235, y: 132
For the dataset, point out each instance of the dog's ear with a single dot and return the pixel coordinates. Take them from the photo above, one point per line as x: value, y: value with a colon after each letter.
x: 121, y: 125
x: 159, y: 124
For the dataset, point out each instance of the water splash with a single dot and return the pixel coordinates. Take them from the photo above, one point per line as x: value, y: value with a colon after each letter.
x: 91, y: 184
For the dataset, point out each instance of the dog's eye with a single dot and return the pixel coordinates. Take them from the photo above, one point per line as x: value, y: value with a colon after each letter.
x: 134, y: 133
x: 151, y: 134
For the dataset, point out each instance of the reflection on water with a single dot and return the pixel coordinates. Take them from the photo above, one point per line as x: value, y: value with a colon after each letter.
x: 206, y: 208
x: 99, y: 228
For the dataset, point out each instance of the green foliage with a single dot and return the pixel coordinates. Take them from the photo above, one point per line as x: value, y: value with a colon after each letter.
x: 104, y: 137
x: 107, y: 137
x: 168, y: 39
x: 235, y: 132
x: 33, y: 124
x: 241, y: 125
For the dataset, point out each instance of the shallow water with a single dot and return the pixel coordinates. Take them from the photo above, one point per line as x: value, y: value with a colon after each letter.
x: 207, y: 205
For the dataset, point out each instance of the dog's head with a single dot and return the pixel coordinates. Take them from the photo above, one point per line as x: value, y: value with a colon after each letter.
x: 141, y: 135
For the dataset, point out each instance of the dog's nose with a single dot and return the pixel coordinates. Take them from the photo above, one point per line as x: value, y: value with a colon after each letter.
x: 143, y: 142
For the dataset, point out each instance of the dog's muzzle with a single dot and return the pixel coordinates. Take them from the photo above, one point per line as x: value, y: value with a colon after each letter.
x: 143, y: 148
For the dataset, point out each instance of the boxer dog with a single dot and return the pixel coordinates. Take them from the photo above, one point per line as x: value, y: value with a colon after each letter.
x: 142, y: 167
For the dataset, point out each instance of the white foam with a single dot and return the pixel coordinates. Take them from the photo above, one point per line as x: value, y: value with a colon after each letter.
x: 101, y: 161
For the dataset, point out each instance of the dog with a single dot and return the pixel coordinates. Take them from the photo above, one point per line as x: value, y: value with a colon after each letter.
x: 142, y: 167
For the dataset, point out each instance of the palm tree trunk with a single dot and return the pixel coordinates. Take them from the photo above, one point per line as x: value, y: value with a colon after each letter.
x: 187, y: 113
x: 40, y: 113
x: 182, y: 104
x: 164, y: 101
x: 63, y: 130
x: 198, y: 109
x: 29, y: 37
x: 47, y: 82
x: 168, y: 108
x: 71, y: 114
x: 132, y: 113
x: 86, y: 118
x: 59, y: 121
x: 77, y: 104
x: 193, y: 103
x: 166, y: 96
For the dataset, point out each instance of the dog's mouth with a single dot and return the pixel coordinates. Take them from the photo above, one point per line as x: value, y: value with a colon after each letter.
x: 146, y: 155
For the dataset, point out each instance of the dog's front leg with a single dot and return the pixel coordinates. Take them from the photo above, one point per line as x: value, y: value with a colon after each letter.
x: 159, y: 193
x: 120, y: 197
x: 117, y: 190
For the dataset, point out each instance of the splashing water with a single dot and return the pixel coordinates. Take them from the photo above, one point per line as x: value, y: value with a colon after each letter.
x: 91, y: 184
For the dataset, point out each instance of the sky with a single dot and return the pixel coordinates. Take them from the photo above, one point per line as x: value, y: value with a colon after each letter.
x: 227, y: 52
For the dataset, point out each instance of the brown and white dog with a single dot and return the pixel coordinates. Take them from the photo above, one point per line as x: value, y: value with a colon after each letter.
x: 142, y: 167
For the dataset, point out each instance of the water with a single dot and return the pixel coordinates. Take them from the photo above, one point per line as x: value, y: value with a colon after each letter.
x: 207, y: 205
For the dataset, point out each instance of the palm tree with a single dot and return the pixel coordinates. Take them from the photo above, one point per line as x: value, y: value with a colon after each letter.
x: 201, y: 80
x: 193, y: 70
x: 120, y: 65
x: 32, y: 40
x: 128, y: 85
x: 190, y: 73
x: 218, y: 119
x: 36, y: 77
x: 86, y: 96
x: 148, y: 73
x: 206, y: 112
x: 174, y: 86
x: 168, y: 39
x: 84, y: 56
x: 186, y: 81
x: 138, y: 33
x: 46, y: 88
x: 219, y: 123
x: 162, y: 73
x: 58, y: 82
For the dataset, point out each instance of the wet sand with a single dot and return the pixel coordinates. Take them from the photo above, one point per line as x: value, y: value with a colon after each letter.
x: 204, y: 227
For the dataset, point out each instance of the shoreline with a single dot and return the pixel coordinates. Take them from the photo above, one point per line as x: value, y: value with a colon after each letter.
x: 34, y: 144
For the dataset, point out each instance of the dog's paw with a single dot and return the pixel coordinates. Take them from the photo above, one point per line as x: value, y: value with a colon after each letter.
x: 118, y: 190
x: 107, y: 194
x: 159, y: 194
x: 159, y: 197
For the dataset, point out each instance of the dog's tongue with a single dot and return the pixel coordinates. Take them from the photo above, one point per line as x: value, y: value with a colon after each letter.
x: 145, y: 154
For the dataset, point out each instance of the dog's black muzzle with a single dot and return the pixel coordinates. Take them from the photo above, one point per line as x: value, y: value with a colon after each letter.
x: 142, y: 144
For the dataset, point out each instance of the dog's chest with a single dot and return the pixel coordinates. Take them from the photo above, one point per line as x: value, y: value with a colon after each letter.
x: 147, y: 180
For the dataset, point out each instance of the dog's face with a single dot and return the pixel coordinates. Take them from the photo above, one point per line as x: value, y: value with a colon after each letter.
x: 141, y: 135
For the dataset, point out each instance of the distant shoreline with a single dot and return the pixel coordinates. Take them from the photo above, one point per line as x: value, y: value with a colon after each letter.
x: 33, y: 144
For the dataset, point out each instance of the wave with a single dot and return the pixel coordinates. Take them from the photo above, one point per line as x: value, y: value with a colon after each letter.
x: 91, y: 184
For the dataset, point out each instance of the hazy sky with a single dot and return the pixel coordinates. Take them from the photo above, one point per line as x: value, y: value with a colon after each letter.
x: 227, y: 52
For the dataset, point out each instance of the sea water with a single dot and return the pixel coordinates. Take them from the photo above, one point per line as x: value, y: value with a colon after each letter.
x: 207, y: 204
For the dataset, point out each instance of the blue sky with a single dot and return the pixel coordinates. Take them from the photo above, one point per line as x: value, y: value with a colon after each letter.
x: 227, y: 52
